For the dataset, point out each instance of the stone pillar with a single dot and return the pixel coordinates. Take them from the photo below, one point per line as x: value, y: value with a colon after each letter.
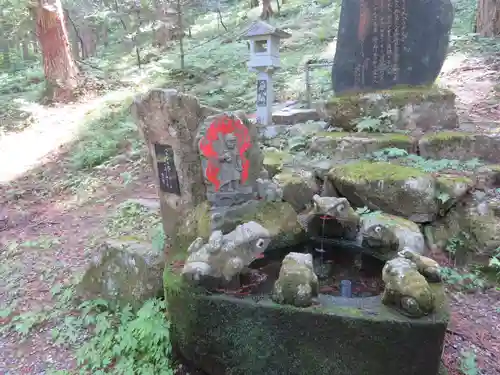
x: 168, y: 121
x: 265, y: 97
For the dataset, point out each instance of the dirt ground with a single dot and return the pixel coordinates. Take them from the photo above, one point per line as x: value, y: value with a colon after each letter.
x: 36, y: 206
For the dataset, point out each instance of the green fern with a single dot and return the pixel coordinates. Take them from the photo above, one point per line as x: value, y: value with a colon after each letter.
x: 125, y: 342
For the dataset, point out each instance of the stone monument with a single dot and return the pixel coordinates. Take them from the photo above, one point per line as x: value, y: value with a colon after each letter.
x: 169, y: 121
x: 385, y: 43
x: 264, y: 59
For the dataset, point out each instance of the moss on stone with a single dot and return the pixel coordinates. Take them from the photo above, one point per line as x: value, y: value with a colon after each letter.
x: 275, y: 157
x: 274, y: 160
x: 400, y: 96
x: 447, y: 136
x: 375, y: 171
x: 334, y: 134
x: 246, y: 337
x: 196, y: 223
x: 397, y: 96
x: 288, y: 177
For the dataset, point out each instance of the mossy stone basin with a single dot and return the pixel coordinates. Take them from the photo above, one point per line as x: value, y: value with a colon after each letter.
x: 227, y: 335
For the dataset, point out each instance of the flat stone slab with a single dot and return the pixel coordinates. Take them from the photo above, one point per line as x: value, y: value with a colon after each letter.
x: 414, y: 109
x: 292, y: 116
x: 226, y: 335
x: 343, y: 146
x: 460, y: 146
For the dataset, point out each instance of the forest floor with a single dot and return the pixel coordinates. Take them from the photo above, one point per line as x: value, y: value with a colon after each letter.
x: 53, y: 207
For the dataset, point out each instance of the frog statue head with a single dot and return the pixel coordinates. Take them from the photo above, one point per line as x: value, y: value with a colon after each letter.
x: 379, y: 236
x: 338, y: 208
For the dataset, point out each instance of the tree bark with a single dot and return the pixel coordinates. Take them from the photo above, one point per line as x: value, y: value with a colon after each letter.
x: 267, y: 10
x: 61, y: 72
x: 488, y: 18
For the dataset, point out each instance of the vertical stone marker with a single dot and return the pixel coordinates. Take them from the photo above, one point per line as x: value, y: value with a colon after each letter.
x: 386, y: 43
x: 169, y: 121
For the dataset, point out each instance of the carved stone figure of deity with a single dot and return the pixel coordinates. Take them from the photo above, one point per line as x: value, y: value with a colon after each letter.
x: 231, y: 166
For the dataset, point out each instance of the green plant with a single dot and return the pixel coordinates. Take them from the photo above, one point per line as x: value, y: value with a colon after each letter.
x: 103, y: 137
x: 382, y: 123
x: 468, y: 364
x: 135, y: 221
x: 388, y: 153
x: 467, y: 281
x: 125, y: 342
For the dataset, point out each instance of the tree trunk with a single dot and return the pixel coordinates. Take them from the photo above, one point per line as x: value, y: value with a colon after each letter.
x: 267, y: 10
x: 61, y: 72
x: 488, y: 18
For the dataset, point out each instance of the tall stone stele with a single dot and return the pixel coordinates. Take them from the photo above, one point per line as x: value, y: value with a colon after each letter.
x: 169, y: 121
x: 265, y: 60
x: 396, y: 49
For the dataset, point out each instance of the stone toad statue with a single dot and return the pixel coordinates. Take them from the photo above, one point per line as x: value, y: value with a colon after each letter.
x: 297, y: 283
x: 225, y: 256
x: 406, y: 289
x: 428, y: 267
x: 388, y: 234
x: 332, y: 217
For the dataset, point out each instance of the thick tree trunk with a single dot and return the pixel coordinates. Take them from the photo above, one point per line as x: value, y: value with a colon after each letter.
x: 61, y: 72
x: 488, y: 18
x: 267, y: 10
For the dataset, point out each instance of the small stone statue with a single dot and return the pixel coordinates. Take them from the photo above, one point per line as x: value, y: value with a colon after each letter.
x: 406, y: 289
x: 225, y: 256
x: 428, y: 267
x: 231, y: 167
x: 297, y: 283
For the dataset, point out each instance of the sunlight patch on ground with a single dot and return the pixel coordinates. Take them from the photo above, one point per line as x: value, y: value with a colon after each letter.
x: 54, y: 127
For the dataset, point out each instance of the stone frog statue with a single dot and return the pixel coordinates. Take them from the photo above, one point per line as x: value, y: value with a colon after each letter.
x: 406, y: 289
x: 387, y: 234
x: 297, y: 283
x: 225, y: 256
x: 428, y: 267
x: 331, y: 217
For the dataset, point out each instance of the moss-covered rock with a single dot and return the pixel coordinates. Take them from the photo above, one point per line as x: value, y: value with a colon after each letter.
x: 460, y: 146
x: 123, y: 272
x: 487, y: 176
x: 451, y: 189
x: 279, y: 218
x: 343, y: 146
x: 470, y: 229
x: 298, y: 187
x: 227, y: 335
x: 416, y: 108
x: 274, y: 160
x: 391, y: 188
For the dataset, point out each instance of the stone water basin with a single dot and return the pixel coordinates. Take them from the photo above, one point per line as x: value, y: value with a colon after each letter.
x: 226, y: 334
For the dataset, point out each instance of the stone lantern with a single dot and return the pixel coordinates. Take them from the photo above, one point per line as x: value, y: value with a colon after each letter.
x: 264, y: 59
